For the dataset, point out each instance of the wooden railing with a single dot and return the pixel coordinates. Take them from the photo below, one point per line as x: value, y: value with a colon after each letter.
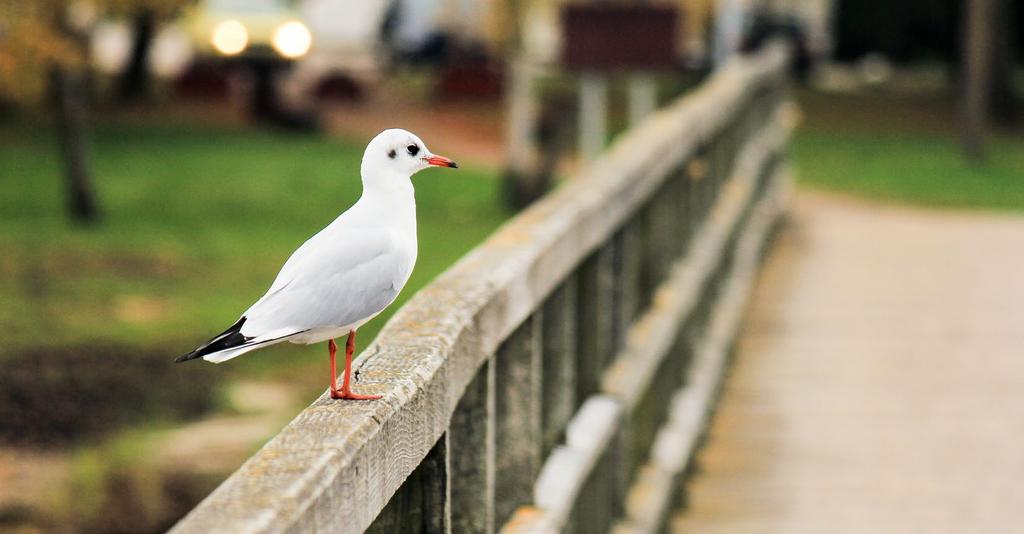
x: 559, y: 376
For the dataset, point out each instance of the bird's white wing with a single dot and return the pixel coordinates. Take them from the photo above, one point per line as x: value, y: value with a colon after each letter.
x: 338, y: 277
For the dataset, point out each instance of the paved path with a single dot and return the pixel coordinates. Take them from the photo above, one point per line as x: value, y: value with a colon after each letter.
x: 879, y: 385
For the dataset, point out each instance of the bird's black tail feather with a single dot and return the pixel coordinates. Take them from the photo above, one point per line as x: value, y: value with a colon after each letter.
x: 232, y: 337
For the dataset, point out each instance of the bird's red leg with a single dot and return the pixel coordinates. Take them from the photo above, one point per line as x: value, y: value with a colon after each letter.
x: 346, y: 381
x: 332, y: 347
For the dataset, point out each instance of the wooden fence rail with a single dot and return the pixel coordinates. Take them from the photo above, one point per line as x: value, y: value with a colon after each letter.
x: 559, y: 376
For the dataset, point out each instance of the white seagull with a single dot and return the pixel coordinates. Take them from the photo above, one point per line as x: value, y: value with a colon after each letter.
x: 345, y: 274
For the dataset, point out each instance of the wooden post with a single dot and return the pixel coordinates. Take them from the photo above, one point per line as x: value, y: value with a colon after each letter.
x: 683, y: 216
x: 471, y: 469
x: 724, y: 156
x: 593, y: 119
x: 419, y: 506
x: 596, y: 291
x: 559, y: 369
x: 677, y: 206
x: 600, y: 499
x: 517, y: 418
x: 660, y: 234
x: 642, y: 423
x: 629, y: 255
x: 701, y: 171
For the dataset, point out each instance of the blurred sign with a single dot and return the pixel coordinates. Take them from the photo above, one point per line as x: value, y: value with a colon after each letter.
x: 603, y: 37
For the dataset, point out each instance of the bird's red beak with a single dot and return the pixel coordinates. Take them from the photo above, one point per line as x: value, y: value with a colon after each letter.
x: 441, y: 161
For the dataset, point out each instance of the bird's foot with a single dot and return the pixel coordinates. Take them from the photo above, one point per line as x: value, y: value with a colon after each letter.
x: 348, y: 395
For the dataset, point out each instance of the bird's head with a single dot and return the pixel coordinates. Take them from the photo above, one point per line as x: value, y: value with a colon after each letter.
x: 399, y: 152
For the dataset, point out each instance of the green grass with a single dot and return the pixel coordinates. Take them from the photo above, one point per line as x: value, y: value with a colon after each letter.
x: 903, y: 150
x: 196, y: 223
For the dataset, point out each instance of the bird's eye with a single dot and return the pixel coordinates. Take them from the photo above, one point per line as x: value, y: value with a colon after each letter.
x: 413, y: 150
x: 392, y: 154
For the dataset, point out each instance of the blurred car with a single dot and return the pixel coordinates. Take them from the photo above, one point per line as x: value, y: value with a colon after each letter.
x: 252, y: 31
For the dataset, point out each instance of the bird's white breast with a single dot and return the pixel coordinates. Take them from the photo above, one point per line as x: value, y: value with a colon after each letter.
x: 343, y: 276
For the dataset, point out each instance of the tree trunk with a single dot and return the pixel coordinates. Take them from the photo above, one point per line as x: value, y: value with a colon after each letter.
x: 524, y: 184
x: 1004, y: 106
x: 134, y: 83
x: 69, y: 91
x: 977, y: 58
x: 519, y: 179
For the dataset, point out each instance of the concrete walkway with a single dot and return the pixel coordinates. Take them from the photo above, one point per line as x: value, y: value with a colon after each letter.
x: 879, y: 385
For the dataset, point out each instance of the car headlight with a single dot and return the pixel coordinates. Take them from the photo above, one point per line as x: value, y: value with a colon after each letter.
x: 230, y: 37
x: 292, y: 39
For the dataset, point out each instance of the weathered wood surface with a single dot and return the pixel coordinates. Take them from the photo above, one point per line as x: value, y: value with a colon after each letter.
x: 651, y: 336
x: 650, y: 496
x: 337, y: 465
x: 471, y: 466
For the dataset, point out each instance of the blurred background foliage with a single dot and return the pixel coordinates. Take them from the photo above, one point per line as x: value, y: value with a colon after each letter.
x: 31, y: 45
x: 42, y: 35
